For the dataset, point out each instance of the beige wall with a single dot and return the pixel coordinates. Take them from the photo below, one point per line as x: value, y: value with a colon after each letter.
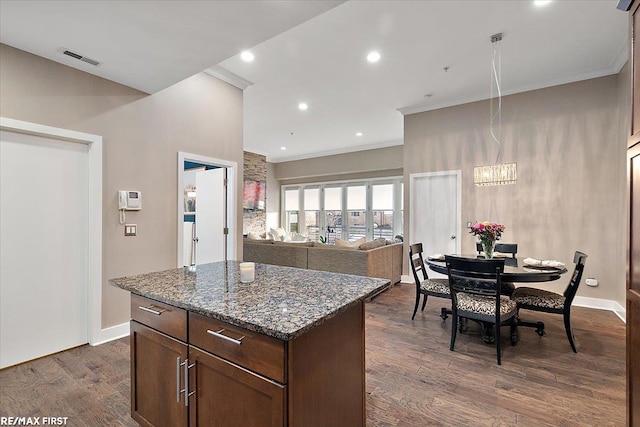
x: 366, y: 164
x: 571, y: 173
x: 141, y: 137
x: 360, y: 164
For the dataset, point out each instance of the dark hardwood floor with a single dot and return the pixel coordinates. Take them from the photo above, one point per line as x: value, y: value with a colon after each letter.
x: 412, y: 377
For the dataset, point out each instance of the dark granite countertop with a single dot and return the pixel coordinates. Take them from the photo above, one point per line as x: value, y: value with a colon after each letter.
x: 282, y: 302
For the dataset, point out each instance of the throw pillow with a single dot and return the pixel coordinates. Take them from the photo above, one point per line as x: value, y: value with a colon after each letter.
x: 372, y: 245
x: 277, y: 234
x: 355, y: 244
x: 297, y: 237
x: 254, y: 236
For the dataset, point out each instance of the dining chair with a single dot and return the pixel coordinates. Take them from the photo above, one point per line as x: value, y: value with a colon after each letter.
x: 475, y: 294
x: 550, y: 302
x: 425, y: 286
x: 503, y: 248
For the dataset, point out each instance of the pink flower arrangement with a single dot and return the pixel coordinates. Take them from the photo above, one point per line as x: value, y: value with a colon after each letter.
x: 487, y: 231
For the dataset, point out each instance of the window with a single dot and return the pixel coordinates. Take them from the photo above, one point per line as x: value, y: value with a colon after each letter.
x: 332, y: 213
x: 357, y: 208
x: 345, y: 210
x: 291, y: 207
x: 382, y: 207
x: 312, y: 213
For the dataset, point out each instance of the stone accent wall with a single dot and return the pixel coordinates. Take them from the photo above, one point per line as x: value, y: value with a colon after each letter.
x: 255, y: 169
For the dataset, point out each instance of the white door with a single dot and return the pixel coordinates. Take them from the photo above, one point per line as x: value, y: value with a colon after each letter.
x: 435, y: 212
x: 43, y: 244
x: 210, y: 215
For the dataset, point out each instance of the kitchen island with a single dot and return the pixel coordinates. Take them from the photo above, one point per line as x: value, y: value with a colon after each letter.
x: 284, y: 350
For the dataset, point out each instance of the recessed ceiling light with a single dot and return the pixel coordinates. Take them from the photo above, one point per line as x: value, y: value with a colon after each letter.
x: 359, y: 134
x: 303, y: 106
x: 541, y: 2
x: 283, y: 148
x: 373, y: 56
x: 247, y: 56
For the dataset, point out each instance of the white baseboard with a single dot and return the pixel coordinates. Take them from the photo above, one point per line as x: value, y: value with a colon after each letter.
x: 110, y: 334
x: 597, y: 303
x: 602, y: 304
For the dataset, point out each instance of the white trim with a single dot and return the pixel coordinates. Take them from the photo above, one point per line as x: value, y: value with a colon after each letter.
x: 228, y: 77
x: 602, y: 304
x: 113, y: 333
x: 405, y: 278
x: 621, y: 57
x: 94, y: 245
x: 232, y: 182
x: 430, y: 106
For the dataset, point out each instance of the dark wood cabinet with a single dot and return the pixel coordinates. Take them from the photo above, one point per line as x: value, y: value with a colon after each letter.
x: 633, y: 224
x: 224, y: 375
x: 229, y: 395
x: 156, y: 378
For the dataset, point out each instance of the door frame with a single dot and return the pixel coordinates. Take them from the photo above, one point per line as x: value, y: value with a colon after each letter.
x: 94, y: 244
x: 232, y: 176
x: 458, y: 174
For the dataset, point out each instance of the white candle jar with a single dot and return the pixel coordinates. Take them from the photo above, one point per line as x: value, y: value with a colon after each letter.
x: 247, y: 272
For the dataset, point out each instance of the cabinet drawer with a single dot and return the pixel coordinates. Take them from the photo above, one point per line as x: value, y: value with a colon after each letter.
x: 260, y: 353
x: 162, y: 317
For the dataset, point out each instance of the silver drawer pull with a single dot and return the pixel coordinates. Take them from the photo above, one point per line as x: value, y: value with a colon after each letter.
x: 220, y: 335
x: 152, y: 309
x: 178, y: 390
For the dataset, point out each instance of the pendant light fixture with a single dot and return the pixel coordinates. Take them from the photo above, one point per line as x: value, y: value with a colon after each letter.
x: 498, y: 173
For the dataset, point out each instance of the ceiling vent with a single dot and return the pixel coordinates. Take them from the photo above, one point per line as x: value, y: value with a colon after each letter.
x: 80, y: 57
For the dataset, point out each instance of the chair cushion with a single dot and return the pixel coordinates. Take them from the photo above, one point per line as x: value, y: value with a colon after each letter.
x: 485, y: 305
x: 538, y: 298
x: 437, y: 286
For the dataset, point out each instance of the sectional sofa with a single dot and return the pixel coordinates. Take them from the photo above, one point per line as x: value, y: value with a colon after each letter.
x: 384, y: 261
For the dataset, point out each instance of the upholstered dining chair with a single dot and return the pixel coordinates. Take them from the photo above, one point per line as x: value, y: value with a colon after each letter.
x: 424, y: 285
x: 475, y: 294
x: 503, y: 248
x: 551, y: 302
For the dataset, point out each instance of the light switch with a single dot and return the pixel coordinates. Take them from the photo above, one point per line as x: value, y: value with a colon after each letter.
x: 130, y: 229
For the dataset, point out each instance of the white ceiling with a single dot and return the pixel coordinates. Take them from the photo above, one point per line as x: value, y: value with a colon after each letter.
x: 322, y: 61
x: 148, y: 45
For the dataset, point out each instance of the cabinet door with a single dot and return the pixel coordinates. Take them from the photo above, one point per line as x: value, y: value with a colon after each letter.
x: 227, y: 395
x: 156, y: 378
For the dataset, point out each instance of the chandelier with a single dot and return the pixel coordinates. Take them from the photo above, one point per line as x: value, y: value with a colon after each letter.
x: 499, y: 173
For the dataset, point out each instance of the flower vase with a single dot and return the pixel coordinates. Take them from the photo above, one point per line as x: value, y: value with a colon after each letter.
x: 487, y: 248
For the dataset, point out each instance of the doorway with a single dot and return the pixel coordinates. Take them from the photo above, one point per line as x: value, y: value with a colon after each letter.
x: 51, y: 228
x: 435, y: 215
x: 206, y: 209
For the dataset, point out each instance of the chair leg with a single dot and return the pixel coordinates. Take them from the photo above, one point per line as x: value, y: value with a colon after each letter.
x: 454, y: 329
x: 514, y: 331
x: 424, y: 303
x: 567, y: 327
x: 498, y: 349
x: 415, y: 309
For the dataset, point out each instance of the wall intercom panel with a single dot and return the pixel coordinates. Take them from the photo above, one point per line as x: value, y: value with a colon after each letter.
x: 129, y: 200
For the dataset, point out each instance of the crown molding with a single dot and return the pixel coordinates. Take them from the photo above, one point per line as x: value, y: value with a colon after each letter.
x: 228, y: 77
x: 593, y: 74
x: 621, y: 57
